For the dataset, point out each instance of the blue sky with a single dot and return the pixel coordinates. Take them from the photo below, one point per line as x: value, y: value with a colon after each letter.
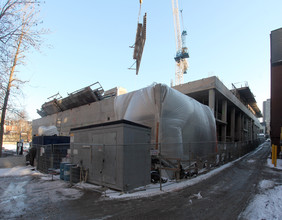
x: 90, y: 42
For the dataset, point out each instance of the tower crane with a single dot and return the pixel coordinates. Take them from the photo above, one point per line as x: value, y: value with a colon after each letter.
x: 181, y: 65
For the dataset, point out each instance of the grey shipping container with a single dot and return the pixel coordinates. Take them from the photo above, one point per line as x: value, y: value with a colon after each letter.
x: 116, y: 154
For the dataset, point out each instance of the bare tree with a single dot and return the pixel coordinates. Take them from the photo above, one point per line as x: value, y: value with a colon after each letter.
x: 23, y: 127
x: 19, y: 33
x: 19, y: 128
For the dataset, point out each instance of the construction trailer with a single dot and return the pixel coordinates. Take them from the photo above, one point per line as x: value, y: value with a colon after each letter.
x: 114, y: 154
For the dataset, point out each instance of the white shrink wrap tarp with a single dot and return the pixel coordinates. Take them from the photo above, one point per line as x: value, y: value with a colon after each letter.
x: 185, y: 125
x: 48, y: 130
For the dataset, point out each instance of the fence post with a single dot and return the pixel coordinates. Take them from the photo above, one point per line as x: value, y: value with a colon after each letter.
x: 160, y: 167
x: 210, y: 156
x: 178, y: 171
x: 189, y: 162
x: 71, y: 173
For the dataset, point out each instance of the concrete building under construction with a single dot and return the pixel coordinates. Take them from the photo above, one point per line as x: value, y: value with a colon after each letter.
x: 236, y: 111
x: 118, y: 139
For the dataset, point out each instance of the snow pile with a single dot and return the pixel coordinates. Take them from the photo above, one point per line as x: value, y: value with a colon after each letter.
x: 278, y: 165
x: 267, y: 205
x: 197, y: 196
x: 266, y: 184
x: 12, y: 147
x: 170, y: 186
x: 87, y: 186
x: 17, y: 171
x: 13, y: 199
x: 56, y: 190
x: 19, y: 194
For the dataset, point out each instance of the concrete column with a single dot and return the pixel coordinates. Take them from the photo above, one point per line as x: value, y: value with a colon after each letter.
x: 232, y: 125
x: 212, y: 99
x: 216, y: 108
x: 252, y: 128
x: 243, y: 135
x: 239, y: 127
x: 224, y: 119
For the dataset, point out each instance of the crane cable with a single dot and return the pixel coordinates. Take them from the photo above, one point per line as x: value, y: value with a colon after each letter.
x: 181, y: 10
x: 139, y: 10
x: 182, y: 21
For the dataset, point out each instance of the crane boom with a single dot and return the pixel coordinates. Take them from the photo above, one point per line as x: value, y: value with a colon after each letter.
x: 181, y: 65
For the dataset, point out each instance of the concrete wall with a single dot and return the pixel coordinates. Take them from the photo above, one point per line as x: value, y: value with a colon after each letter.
x: 94, y: 113
x: 276, y: 88
x: 276, y: 104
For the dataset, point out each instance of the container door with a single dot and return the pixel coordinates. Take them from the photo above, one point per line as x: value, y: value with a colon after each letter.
x: 97, y: 155
x: 109, y: 159
x: 85, y: 153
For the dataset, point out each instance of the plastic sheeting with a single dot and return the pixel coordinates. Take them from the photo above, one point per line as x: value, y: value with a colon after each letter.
x: 48, y: 131
x: 185, y: 125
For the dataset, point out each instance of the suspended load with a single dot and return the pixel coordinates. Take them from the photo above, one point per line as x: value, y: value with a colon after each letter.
x: 139, y: 41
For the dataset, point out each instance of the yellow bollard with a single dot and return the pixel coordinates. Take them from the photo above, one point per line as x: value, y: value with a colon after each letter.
x: 275, y: 155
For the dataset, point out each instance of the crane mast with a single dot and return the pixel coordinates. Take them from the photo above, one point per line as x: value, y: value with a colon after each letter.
x: 181, y: 64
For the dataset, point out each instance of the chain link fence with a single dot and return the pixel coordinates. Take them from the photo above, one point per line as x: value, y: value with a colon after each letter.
x: 48, y: 156
x: 123, y: 167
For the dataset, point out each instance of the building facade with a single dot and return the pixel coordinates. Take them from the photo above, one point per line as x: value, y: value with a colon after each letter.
x: 16, y: 130
x: 266, y: 116
x: 235, y: 111
x: 276, y: 88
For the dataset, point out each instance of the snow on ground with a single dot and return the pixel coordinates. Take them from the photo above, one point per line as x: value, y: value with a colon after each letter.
x: 149, y: 190
x: 278, y: 165
x: 55, y: 189
x: 59, y: 187
x: 41, y: 189
x: 12, y: 147
x: 87, y: 186
x: 170, y: 186
x: 268, y: 203
x: 18, y: 171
